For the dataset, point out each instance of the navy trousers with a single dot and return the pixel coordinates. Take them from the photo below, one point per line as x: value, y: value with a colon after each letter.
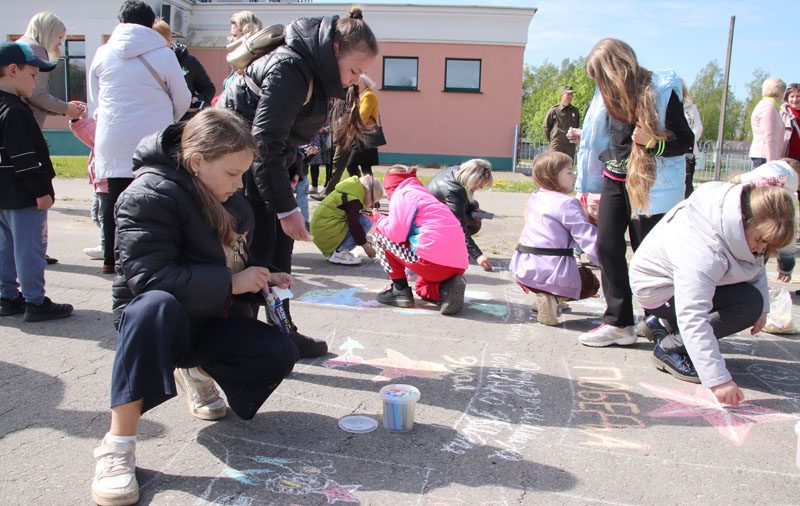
x: 247, y: 358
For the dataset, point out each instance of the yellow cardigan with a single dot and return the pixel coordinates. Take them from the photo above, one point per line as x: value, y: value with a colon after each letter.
x: 368, y: 108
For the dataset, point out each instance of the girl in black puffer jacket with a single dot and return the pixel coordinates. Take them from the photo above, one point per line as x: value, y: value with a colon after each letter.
x: 321, y: 57
x: 182, y: 228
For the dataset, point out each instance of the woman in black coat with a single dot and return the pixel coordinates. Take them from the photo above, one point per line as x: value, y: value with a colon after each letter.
x: 320, y: 59
x: 455, y: 187
x: 181, y: 259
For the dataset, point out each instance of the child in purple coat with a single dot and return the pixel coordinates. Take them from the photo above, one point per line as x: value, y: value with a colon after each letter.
x: 555, y: 223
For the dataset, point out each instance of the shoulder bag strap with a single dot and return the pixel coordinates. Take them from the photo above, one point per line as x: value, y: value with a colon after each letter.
x: 154, y: 74
x: 256, y: 89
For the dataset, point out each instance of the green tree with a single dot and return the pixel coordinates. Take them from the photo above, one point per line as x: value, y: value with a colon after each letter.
x: 542, y: 89
x: 753, y: 98
x: 706, y: 92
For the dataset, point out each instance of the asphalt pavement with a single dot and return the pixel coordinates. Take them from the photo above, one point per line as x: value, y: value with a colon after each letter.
x: 511, y: 412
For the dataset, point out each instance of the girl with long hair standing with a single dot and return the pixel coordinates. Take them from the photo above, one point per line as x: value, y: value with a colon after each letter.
x: 641, y: 145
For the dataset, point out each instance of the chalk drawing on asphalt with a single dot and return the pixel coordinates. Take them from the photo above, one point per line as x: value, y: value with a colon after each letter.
x: 294, y: 477
x: 734, y: 424
x: 602, y: 407
x: 393, y: 365
x: 347, y: 297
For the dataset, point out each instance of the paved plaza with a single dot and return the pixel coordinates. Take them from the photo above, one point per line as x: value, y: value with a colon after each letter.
x: 511, y: 412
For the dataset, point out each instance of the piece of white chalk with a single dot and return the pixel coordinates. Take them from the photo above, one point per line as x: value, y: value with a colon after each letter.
x: 282, y: 293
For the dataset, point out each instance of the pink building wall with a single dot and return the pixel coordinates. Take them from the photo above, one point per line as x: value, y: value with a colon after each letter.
x: 433, y: 121
x: 432, y: 125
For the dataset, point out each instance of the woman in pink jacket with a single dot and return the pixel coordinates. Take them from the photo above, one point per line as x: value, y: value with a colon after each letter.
x: 422, y: 235
x: 769, y: 142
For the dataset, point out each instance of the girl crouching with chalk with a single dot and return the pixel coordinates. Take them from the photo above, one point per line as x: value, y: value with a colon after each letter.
x: 181, y: 260
x: 554, y: 223
x: 700, y: 274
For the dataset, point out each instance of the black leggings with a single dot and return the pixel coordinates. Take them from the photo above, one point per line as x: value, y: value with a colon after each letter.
x: 614, y: 219
x: 314, y: 171
x: 733, y: 309
x: 247, y: 358
x: 116, y: 185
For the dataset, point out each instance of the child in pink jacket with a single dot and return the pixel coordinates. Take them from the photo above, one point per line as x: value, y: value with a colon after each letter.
x: 84, y: 129
x: 420, y: 234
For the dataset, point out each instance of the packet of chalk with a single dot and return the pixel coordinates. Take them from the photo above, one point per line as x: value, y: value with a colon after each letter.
x: 275, y: 311
x: 484, y: 215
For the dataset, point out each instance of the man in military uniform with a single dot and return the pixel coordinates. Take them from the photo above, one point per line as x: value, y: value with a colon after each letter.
x: 560, y: 118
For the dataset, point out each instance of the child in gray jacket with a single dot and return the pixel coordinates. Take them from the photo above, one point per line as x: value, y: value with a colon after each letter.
x: 700, y: 275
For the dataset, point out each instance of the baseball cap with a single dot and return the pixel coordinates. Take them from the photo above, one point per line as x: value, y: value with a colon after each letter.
x: 21, y: 54
x: 567, y: 89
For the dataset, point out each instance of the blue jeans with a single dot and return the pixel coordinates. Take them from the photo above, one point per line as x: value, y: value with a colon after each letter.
x: 22, y: 250
x: 301, y: 196
x: 100, y: 206
x: 349, y: 243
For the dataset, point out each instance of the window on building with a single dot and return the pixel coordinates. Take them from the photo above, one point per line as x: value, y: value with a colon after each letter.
x: 400, y: 73
x: 462, y: 75
x: 68, y: 79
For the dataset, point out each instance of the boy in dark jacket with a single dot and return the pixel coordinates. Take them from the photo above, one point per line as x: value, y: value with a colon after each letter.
x: 26, y: 190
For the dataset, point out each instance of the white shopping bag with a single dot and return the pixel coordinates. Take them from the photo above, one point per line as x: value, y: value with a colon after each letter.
x: 779, y: 318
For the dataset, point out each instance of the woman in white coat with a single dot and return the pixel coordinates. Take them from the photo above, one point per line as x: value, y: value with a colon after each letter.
x: 700, y: 274
x: 136, y: 87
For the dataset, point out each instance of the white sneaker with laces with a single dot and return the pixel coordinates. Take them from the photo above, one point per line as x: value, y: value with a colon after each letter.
x: 201, y: 394
x: 114, y: 482
x: 94, y: 253
x: 343, y: 258
x: 606, y: 335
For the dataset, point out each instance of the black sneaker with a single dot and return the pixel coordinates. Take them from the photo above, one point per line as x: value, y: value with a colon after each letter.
x: 677, y: 364
x: 10, y: 307
x: 395, y: 297
x: 654, y: 328
x: 50, y: 260
x: 47, y: 310
x: 452, y: 291
x: 308, y: 346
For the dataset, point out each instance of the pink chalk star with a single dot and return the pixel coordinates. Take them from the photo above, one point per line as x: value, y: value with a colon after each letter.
x: 394, y: 365
x: 334, y: 492
x: 732, y: 423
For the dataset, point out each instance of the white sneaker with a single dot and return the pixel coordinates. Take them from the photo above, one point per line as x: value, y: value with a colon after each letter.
x: 114, y: 482
x: 344, y: 258
x: 359, y: 253
x: 606, y: 335
x: 641, y: 329
x: 94, y: 253
x: 201, y: 394
x: 547, y: 309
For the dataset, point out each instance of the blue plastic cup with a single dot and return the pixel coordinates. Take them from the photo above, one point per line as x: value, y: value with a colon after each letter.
x: 399, y: 402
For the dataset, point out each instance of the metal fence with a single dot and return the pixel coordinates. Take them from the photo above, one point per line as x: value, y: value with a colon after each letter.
x: 735, y: 157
